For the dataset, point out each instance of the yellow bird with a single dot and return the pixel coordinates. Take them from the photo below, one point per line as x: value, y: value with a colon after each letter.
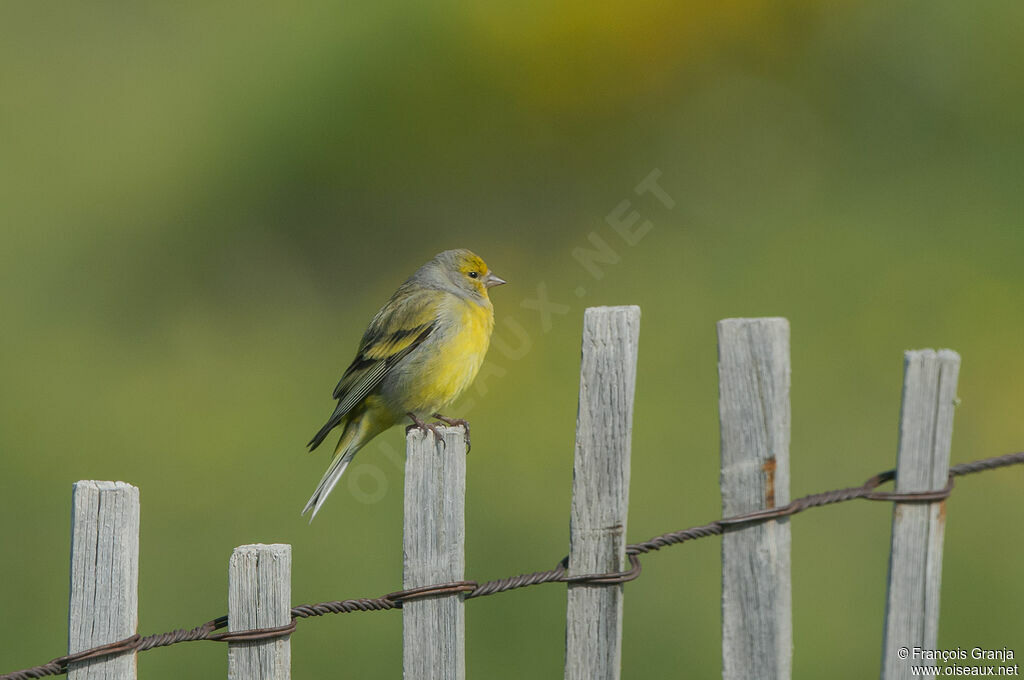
x: 421, y: 350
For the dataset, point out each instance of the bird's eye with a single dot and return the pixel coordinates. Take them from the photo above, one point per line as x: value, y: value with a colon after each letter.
x: 473, y: 275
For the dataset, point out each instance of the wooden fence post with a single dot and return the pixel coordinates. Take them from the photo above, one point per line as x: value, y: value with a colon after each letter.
x: 915, y: 563
x: 260, y: 596
x: 600, y: 491
x: 434, y: 628
x: 104, y: 576
x: 753, y: 375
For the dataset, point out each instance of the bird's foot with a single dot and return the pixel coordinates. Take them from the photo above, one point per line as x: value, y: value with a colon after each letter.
x: 456, y: 421
x: 419, y: 424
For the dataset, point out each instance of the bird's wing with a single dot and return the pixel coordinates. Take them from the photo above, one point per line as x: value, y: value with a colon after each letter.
x: 397, y: 329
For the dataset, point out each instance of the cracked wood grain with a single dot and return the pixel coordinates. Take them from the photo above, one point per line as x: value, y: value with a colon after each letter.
x: 754, y: 414
x: 600, y: 490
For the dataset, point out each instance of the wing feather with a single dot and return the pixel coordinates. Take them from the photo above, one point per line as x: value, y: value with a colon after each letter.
x: 397, y: 329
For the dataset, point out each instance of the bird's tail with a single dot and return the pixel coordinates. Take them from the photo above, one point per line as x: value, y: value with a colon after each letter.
x: 332, y: 423
x: 357, y: 433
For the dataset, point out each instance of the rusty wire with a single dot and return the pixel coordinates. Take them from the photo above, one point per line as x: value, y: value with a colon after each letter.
x: 559, y: 574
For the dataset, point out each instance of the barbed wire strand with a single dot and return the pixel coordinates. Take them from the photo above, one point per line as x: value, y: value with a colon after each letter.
x: 559, y: 574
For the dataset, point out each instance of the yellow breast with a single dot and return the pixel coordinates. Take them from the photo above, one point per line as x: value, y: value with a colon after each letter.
x: 455, y: 363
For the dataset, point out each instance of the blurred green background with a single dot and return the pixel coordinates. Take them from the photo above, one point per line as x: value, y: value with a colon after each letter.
x: 203, y: 204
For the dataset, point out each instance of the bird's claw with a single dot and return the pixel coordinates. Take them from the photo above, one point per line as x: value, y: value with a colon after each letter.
x: 457, y: 421
x: 420, y: 425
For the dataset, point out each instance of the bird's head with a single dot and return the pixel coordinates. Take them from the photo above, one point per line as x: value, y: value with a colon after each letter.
x: 468, y: 272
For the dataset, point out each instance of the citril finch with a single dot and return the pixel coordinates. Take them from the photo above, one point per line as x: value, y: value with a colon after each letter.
x: 421, y: 350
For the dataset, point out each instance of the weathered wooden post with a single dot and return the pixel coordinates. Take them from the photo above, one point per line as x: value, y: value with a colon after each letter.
x: 754, y: 375
x: 104, y: 576
x: 600, y: 491
x: 915, y: 563
x: 434, y: 628
x: 260, y: 596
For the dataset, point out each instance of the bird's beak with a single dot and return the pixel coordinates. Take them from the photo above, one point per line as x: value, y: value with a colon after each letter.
x: 491, y: 280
